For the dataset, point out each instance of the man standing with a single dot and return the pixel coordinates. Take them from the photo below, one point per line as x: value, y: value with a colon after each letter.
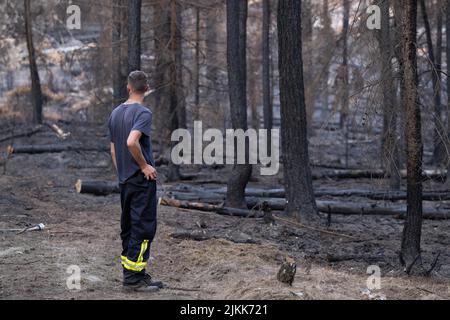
x: 131, y: 151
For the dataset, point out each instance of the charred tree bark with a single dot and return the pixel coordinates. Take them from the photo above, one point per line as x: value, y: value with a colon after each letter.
x: 119, y: 33
x: 36, y: 90
x: 212, y: 70
x: 400, y: 83
x: 390, y: 154
x: 345, y: 73
x: 447, y: 53
x: 134, y: 35
x: 177, y: 26
x: 197, y: 65
x: 438, y: 153
x: 237, y: 78
x: 168, y: 83
x: 309, y: 67
x: 297, y: 173
x: 161, y: 79
x: 325, y: 59
x: 266, y: 87
x: 177, y: 111
x: 410, y: 247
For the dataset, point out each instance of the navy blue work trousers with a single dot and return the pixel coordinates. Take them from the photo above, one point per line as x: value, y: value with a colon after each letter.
x: 138, y: 224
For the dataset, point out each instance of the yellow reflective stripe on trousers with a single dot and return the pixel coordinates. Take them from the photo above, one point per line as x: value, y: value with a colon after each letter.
x: 129, y: 267
x: 140, y: 264
x: 144, y: 246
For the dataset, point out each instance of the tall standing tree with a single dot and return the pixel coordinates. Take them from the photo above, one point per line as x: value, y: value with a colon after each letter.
x: 309, y: 67
x: 176, y: 27
x: 410, y: 246
x: 134, y: 35
x: 399, y: 83
x: 390, y: 153
x: 237, y: 78
x: 212, y: 50
x: 438, y: 152
x: 344, y: 66
x: 197, y: 63
x: 169, y: 95
x: 177, y: 111
x: 36, y: 90
x: 267, y: 98
x: 297, y: 173
x: 119, y: 55
x: 447, y: 53
x: 324, y: 60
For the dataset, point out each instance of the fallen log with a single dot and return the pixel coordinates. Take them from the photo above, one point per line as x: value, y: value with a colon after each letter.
x: 210, y: 208
x: 234, y: 212
x: 328, y: 207
x: 197, y: 196
x: 348, y: 174
x: 351, y: 208
x: 436, y: 195
x: 52, y: 148
x: 374, y: 174
x: 218, y: 193
x: 23, y: 133
x: 98, y: 188
x: 212, y: 201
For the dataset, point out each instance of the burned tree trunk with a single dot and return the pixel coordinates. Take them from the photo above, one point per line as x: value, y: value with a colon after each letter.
x: 438, y: 153
x: 237, y: 78
x: 399, y: 83
x: 266, y: 87
x: 309, y: 67
x: 390, y: 154
x: 447, y: 53
x: 344, y: 66
x: 324, y: 60
x: 167, y: 77
x: 36, y: 90
x: 197, y: 65
x: 177, y: 109
x: 119, y: 30
x: 410, y: 247
x: 177, y: 51
x: 134, y: 35
x: 161, y: 76
x: 212, y: 69
x: 297, y: 173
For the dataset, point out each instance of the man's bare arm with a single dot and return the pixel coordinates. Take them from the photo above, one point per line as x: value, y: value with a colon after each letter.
x: 113, y: 155
x: 136, y: 151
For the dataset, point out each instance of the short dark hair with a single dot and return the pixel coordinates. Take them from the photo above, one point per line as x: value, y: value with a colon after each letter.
x: 138, y: 81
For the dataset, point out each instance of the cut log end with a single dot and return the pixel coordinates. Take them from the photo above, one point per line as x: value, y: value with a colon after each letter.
x: 78, y: 185
x: 98, y: 188
x: 10, y: 150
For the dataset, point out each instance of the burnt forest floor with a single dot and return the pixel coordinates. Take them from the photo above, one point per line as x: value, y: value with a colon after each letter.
x: 240, y: 262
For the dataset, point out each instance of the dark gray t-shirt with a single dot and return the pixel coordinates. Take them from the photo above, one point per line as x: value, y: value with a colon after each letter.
x: 124, y: 119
